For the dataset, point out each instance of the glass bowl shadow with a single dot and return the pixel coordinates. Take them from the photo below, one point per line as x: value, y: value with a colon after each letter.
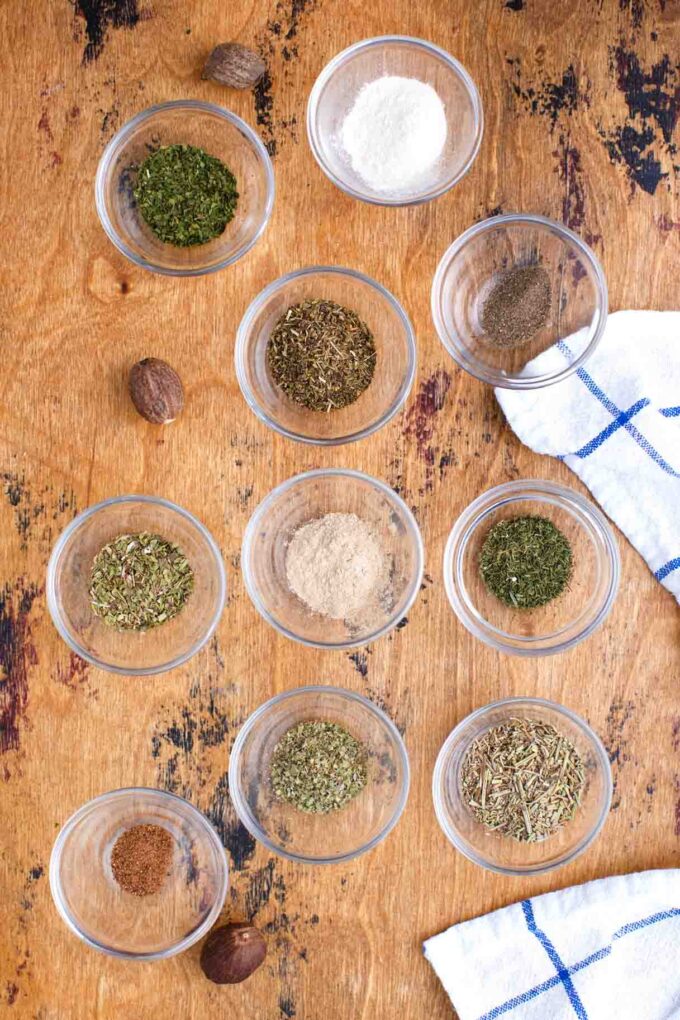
x: 395, y: 356
x: 476, y: 262
x: 335, y: 92
x: 500, y: 853
x: 108, y: 918
x: 569, y: 618
x: 313, y: 838
x: 134, y: 653
x: 307, y: 497
x: 218, y: 132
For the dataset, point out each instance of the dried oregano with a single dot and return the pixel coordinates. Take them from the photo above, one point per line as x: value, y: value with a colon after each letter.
x: 185, y: 195
x: 318, y: 767
x: 139, y: 581
x: 523, y: 779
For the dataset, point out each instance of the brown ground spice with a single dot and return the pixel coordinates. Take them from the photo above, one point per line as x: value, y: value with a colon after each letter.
x: 141, y: 859
x: 518, y: 306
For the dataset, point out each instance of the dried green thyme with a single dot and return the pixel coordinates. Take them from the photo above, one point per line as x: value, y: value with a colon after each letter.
x: 525, y: 561
x: 185, y: 195
x: 321, y: 354
x: 523, y: 779
x: 139, y: 581
x: 318, y: 767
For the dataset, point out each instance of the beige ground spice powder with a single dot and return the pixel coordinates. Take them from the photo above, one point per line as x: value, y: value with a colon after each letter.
x: 141, y: 859
x: 337, y: 566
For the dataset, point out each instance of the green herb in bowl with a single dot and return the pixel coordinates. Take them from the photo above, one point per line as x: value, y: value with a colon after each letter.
x: 318, y: 767
x: 186, y: 196
x: 139, y: 581
x: 526, y: 562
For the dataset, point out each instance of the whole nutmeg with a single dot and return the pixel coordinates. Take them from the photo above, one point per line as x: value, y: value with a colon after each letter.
x: 156, y: 391
x: 234, y: 65
x: 232, y: 953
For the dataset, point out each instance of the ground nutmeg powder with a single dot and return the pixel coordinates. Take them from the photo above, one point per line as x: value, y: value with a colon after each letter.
x: 141, y: 859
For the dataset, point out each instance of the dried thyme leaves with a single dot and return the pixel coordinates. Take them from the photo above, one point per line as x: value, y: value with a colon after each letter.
x: 321, y: 355
x: 523, y: 779
x: 139, y: 581
x: 318, y: 767
x: 186, y: 196
x: 525, y: 561
x: 517, y: 306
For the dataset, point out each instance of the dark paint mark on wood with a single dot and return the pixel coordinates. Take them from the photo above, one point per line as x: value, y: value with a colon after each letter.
x: 402, y: 623
x: 419, y: 420
x: 75, y: 674
x: 99, y: 16
x: 569, y: 171
x: 11, y: 992
x: 360, y: 661
x: 615, y: 741
x: 546, y: 98
x: 234, y: 835
x: 653, y: 101
x: 514, y: 5
x: 636, y: 10
x: 17, y: 653
x: 264, y: 106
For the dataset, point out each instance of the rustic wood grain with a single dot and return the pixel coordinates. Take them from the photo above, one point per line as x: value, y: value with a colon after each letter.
x: 560, y: 83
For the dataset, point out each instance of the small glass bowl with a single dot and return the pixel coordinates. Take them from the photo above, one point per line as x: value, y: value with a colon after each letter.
x: 319, y: 839
x: 134, y: 653
x: 475, y: 262
x: 304, y: 498
x: 395, y: 348
x: 105, y: 916
x: 338, y: 85
x: 569, y: 618
x: 221, y: 134
x: 502, y: 853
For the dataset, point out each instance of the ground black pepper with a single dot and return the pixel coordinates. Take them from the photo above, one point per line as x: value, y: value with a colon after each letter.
x: 518, y: 305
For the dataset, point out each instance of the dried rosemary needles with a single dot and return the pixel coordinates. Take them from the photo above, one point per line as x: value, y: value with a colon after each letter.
x: 321, y: 355
x: 139, y: 581
x: 523, y: 779
x: 525, y: 561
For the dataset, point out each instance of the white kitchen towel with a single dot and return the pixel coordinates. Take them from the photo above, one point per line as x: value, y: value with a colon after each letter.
x: 607, y: 950
x: 616, y: 423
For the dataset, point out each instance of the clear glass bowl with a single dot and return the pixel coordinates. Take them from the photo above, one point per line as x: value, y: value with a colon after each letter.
x: 502, y: 853
x: 395, y: 348
x: 319, y: 839
x: 108, y: 918
x: 304, y: 498
x: 568, y: 619
x: 578, y: 304
x: 134, y: 653
x: 336, y: 89
x: 221, y: 134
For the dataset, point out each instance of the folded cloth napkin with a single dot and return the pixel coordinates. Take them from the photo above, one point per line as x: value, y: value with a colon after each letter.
x: 616, y: 423
x: 607, y: 950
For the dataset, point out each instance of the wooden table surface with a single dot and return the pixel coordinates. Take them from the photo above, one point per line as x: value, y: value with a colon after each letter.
x: 581, y: 100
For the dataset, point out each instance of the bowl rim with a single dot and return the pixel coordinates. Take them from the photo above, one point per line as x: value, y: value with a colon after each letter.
x: 242, y: 343
x: 472, y: 365
x: 56, y: 887
x: 120, y: 137
x: 466, y: 523
x: 432, y: 49
x: 259, y: 513
x: 240, y: 803
x: 439, y: 772
x: 53, y: 602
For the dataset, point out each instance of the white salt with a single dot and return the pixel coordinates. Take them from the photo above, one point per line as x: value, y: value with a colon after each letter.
x: 395, y: 132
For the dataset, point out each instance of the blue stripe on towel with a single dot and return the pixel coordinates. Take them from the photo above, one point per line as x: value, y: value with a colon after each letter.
x: 670, y: 412
x: 667, y: 569
x: 616, y: 412
x: 600, y: 954
x: 554, y: 957
x: 620, y: 420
